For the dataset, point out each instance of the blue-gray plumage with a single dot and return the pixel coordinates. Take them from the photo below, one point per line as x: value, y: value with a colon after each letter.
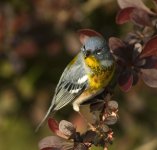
x: 95, y: 43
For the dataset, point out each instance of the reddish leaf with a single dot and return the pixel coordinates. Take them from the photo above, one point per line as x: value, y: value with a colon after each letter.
x: 140, y: 17
x: 115, y: 43
x: 89, y: 32
x: 124, y: 15
x: 134, y: 3
x: 53, y: 125
x: 84, y: 34
x: 150, y: 63
x: 55, y: 143
x: 125, y: 81
x: 149, y: 77
x: 120, y: 50
x: 117, y: 48
x: 150, y: 49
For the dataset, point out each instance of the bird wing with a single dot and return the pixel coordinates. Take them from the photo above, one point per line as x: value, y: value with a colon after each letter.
x: 73, y: 82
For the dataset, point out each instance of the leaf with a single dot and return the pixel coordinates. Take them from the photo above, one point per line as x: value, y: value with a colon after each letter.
x: 125, y: 81
x: 121, y: 51
x: 66, y: 128
x: 140, y: 17
x: 150, y: 48
x: 149, y: 77
x: 117, y: 47
x: 123, y: 15
x: 115, y: 43
x: 55, y: 142
x: 112, y: 105
x: 134, y: 3
x: 137, y: 15
x: 84, y: 34
x: 81, y: 146
x: 89, y: 136
x: 149, y: 63
x: 110, y: 120
x: 54, y: 126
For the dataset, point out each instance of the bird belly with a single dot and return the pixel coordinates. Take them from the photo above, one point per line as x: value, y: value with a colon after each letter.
x: 86, y: 95
x: 98, y: 78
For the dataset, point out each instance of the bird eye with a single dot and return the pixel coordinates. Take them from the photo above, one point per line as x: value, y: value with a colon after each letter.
x: 98, y: 52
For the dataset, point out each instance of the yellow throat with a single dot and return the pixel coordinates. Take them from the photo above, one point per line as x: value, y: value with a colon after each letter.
x: 100, y: 76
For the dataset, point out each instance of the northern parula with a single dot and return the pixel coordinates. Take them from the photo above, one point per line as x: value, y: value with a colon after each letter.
x: 86, y: 75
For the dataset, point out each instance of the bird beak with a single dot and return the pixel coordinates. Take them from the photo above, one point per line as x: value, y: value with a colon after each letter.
x: 86, y: 53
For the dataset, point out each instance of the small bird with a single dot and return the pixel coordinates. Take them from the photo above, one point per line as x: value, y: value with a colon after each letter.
x: 86, y: 75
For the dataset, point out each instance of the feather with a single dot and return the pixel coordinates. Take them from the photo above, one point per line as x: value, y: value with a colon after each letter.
x: 71, y: 84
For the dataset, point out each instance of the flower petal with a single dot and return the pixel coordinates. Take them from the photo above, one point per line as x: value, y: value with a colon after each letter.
x: 149, y: 77
x: 123, y: 15
x: 150, y: 48
x: 55, y: 142
x: 84, y: 34
x: 125, y: 81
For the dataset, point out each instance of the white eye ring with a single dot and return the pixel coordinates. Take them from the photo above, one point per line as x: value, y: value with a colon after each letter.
x: 98, y: 52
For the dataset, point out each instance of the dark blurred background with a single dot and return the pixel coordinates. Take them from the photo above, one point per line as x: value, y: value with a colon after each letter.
x: 37, y: 39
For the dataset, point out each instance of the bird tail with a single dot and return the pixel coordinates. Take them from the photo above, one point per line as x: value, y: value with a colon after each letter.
x: 45, y: 117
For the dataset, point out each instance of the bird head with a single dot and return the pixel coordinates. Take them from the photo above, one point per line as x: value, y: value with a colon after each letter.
x: 94, y: 45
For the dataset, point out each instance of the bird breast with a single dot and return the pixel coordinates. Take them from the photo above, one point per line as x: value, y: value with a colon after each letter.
x: 99, y: 76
